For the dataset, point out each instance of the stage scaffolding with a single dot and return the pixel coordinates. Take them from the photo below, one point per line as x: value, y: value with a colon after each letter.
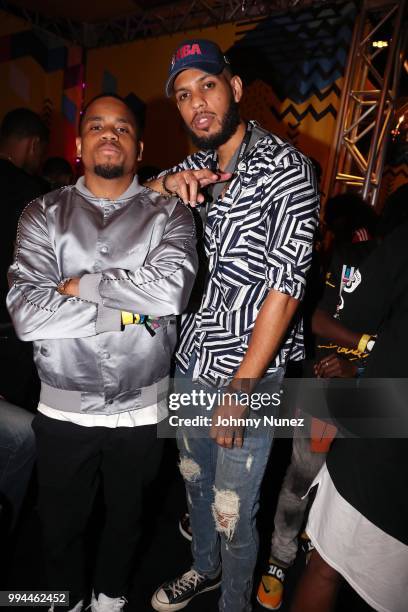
x: 156, y: 18
x: 368, y: 104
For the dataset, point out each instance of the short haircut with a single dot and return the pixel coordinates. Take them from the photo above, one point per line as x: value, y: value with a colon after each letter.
x: 23, y: 123
x: 137, y: 118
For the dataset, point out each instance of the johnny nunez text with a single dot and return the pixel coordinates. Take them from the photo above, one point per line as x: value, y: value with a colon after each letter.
x: 206, y: 421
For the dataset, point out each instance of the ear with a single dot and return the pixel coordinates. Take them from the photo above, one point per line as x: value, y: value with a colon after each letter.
x: 78, y: 143
x: 237, y: 88
x: 33, y: 144
x: 140, y: 147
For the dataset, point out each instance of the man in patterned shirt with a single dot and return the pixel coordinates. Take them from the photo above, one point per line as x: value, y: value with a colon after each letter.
x: 258, y: 234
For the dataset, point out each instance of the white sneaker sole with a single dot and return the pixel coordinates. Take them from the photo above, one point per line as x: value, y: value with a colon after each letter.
x: 265, y: 606
x: 163, y: 607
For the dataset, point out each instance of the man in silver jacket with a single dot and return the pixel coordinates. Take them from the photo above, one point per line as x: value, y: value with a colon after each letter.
x: 101, y: 269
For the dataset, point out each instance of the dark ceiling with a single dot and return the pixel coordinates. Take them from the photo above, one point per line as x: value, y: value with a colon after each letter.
x: 105, y: 22
x: 91, y: 12
x: 107, y: 10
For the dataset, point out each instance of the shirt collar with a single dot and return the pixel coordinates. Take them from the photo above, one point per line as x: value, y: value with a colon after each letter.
x: 133, y: 189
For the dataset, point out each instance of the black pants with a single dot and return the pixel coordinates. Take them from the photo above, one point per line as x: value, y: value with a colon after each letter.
x: 72, y: 461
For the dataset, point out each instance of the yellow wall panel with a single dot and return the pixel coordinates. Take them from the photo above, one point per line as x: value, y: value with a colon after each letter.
x: 141, y: 67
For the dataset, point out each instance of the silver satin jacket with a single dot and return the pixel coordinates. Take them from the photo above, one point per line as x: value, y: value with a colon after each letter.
x: 137, y: 254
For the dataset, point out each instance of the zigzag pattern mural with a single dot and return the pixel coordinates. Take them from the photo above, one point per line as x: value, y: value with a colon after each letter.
x: 291, y: 109
x: 400, y: 171
x: 393, y: 177
x: 292, y: 65
x: 298, y: 53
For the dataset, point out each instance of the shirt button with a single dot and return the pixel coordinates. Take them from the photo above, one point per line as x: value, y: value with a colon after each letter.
x: 106, y: 355
x: 110, y: 402
x: 104, y: 249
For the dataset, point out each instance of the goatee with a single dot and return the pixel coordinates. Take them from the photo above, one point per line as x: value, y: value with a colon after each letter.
x: 108, y: 171
x: 229, y: 126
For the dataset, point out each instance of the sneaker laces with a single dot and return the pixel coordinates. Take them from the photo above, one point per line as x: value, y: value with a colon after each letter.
x: 187, y: 580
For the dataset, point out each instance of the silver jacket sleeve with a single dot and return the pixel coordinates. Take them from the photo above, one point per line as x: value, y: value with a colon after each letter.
x: 37, y: 310
x: 162, y: 285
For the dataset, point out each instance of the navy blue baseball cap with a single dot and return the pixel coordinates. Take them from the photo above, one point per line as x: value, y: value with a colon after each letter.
x: 197, y: 53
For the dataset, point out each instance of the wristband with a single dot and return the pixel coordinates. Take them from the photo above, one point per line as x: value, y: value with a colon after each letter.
x: 366, y: 343
x: 132, y: 318
x: 362, y: 344
x: 127, y: 317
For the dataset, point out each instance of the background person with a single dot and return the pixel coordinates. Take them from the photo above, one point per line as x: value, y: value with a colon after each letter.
x: 358, y: 519
x: 23, y: 142
x: 57, y: 171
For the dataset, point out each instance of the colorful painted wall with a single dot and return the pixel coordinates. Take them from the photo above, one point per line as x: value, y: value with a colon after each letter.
x: 292, y: 65
x: 43, y: 73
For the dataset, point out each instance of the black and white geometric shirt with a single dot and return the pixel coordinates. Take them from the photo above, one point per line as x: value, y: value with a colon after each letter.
x: 258, y: 236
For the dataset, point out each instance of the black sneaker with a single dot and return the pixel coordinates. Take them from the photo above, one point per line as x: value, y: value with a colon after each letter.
x: 177, y: 593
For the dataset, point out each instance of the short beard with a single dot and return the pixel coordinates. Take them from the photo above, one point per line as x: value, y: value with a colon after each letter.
x: 108, y: 171
x: 229, y: 126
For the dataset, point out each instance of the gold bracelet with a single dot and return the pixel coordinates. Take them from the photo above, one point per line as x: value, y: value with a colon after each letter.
x: 62, y: 284
x: 362, y: 344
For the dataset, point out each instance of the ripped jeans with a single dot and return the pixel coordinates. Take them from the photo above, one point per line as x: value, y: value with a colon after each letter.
x: 223, y: 487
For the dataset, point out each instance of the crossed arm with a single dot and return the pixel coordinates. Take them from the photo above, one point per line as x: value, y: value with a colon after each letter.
x: 160, y: 287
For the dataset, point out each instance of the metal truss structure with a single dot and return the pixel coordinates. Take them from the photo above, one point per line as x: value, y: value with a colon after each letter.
x: 155, y: 18
x: 368, y: 99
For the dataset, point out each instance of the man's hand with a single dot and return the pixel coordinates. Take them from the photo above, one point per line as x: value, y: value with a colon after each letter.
x: 71, y: 287
x: 228, y: 435
x: 187, y: 184
x: 334, y: 366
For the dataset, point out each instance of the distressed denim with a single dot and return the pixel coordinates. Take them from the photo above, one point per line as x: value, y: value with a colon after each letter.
x: 227, y: 480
